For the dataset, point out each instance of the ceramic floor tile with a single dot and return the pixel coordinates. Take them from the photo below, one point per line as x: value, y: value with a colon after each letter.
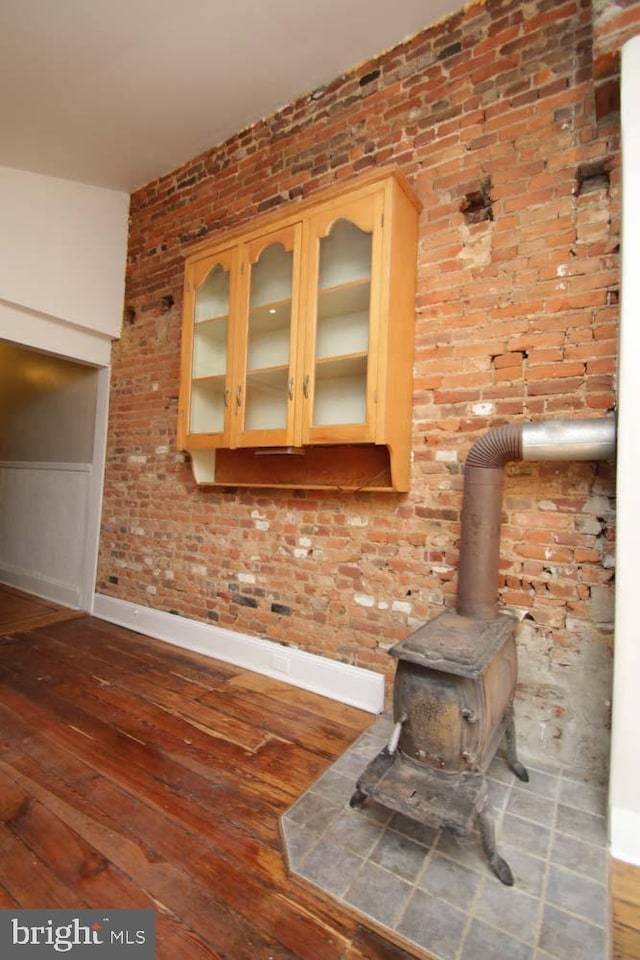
x: 378, y: 894
x: 299, y: 842
x: 579, y: 856
x: 464, y: 850
x: 569, y: 938
x: 399, y: 854
x: 330, y: 867
x: 531, y: 806
x: 370, y: 744
x: 498, y: 794
x: 355, y: 832
x: 528, y: 872
x: 313, y: 812
x: 374, y: 811
x: 578, y: 895
x: 499, y: 770
x: 334, y: 786
x: 542, y: 783
x: 436, y: 890
x: 584, y: 826
x: 381, y: 727
x: 552, y: 767
x: 533, y: 837
x: 450, y: 881
x: 583, y: 796
x: 508, y: 909
x: 485, y: 943
x: 419, y: 832
x: 354, y: 761
x: 434, y: 925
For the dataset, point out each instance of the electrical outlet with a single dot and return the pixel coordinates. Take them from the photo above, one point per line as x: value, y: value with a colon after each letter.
x: 280, y: 663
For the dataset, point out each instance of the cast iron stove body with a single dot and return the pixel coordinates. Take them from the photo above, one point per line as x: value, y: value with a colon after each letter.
x: 453, y: 704
x: 456, y: 676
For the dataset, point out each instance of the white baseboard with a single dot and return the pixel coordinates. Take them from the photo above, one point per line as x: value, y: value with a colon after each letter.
x: 624, y: 835
x: 330, y: 678
x: 67, y: 594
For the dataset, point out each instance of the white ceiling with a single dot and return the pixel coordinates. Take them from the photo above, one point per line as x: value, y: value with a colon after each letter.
x: 117, y: 92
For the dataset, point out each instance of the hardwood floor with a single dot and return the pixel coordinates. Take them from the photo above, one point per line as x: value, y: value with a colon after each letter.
x: 20, y: 611
x: 625, y: 911
x: 133, y: 774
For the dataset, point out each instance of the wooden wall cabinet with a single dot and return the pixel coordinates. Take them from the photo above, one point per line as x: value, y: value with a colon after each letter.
x: 297, y: 344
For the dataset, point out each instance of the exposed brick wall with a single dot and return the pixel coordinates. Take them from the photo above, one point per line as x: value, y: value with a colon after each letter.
x: 490, y: 116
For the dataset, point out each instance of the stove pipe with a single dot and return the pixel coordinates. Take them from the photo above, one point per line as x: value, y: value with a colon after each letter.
x: 482, y: 494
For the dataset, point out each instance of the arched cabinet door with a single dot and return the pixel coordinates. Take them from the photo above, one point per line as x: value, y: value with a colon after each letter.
x: 266, y: 342
x: 343, y: 247
x: 205, y: 389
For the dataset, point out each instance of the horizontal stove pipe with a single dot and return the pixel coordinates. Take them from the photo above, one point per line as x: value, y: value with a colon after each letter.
x: 483, y: 487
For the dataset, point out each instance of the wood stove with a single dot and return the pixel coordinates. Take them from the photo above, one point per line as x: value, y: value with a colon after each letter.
x: 456, y: 675
x: 453, y: 704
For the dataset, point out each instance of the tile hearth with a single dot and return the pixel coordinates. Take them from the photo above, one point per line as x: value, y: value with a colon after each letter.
x: 436, y: 894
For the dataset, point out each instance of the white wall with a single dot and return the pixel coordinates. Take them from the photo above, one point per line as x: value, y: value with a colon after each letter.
x: 62, y: 262
x: 62, y: 270
x: 47, y: 406
x: 624, y: 795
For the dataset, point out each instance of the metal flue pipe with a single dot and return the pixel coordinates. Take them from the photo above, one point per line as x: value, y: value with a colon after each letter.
x: 483, y: 487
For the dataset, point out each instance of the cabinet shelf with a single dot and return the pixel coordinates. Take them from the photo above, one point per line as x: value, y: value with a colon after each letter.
x: 209, y: 378
x: 267, y: 368
x: 341, y: 365
x: 362, y: 467
x: 267, y: 375
x: 206, y: 321
x: 342, y: 324
x: 344, y: 298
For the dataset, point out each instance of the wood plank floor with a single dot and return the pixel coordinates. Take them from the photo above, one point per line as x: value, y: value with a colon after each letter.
x: 133, y: 774
x: 625, y: 911
x: 20, y: 611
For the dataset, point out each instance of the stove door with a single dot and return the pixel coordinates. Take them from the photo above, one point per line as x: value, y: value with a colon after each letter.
x: 444, y: 722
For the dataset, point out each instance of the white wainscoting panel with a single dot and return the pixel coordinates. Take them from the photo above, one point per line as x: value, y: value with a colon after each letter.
x: 43, y: 522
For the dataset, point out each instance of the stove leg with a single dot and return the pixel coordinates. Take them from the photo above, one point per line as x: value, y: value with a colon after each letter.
x: 510, y: 738
x: 357, y: 798
x: 499, y: 866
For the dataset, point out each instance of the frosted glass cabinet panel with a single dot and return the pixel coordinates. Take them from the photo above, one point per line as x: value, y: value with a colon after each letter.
x: 265, y: 399
x: 345, y: 255
x: 341, y: 354
x: 209, y: 304
x: 342, y: 326
x: 298, y: 343
x: 340, y: 392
